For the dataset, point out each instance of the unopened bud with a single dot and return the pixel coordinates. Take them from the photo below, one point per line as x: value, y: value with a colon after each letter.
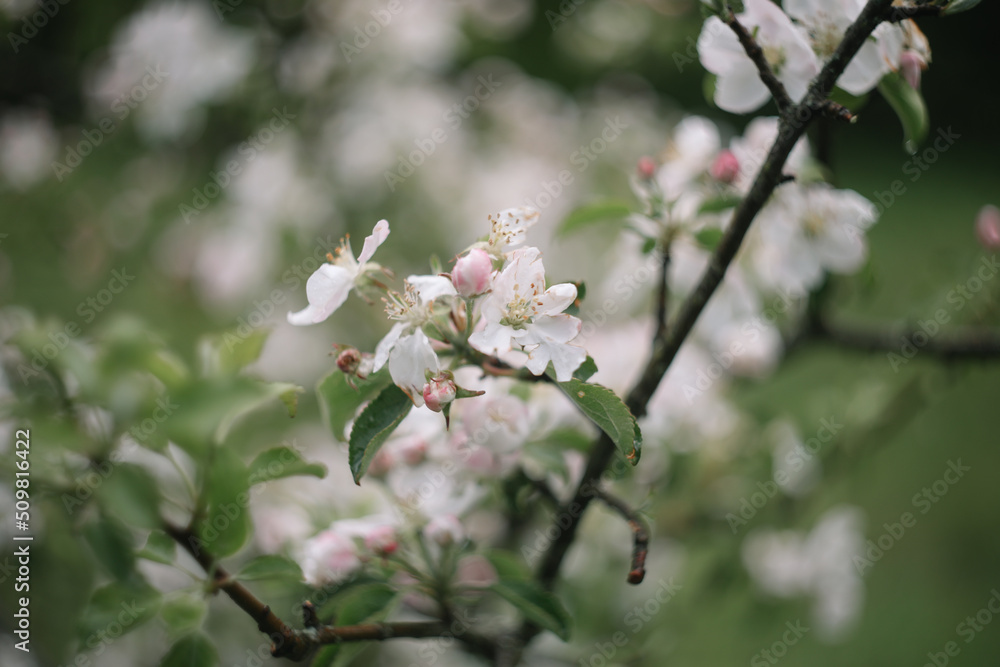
x: 382, y: 540
x: 988, y: 227
x: 646, y: 168
x: 349, y: 360
x: 910, y: 66
x: 471, y: 275
x: 439, y: 392
x: 444, y: 530
x: 726, y: 167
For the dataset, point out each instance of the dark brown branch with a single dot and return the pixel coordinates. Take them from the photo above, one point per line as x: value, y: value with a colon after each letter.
x: 640, y: 534
x: 756, y: 54
x: 956, y: 345
x: 663, y: 295
x: 297, y: 644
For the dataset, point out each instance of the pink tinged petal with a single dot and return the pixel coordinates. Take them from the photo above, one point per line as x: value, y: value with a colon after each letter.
x: 556, y: 299
x: 385, y: 345
x: 409, y: 361
x: 326, y: 289
x: 378, y: 236
x: 740, y: 90
x: 431, y: 287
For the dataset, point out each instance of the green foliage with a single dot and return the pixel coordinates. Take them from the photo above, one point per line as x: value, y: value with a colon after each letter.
x: 160, y: 548
x: 183, y: 613
x: 112, y: 545
x: 123, y: 604
x: 270, y: 567
x: 593, y: 213
x: 373, y: 427
x: 709, y: 238
x: 603, y: 407
x: 281, y: 462
x: 225, y: 526
x: 131, y: 493
x: 537, y: 605
x: 195, y: 650
x: 366, y: 603
x: 339, y: 401
x: 909, y: 106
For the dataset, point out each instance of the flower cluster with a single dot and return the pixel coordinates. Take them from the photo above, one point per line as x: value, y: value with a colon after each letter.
x: 806, y: 230
x: 494, y: 302
x: 797, y: 40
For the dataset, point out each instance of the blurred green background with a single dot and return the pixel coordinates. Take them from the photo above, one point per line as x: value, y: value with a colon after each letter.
x: 62, y: 239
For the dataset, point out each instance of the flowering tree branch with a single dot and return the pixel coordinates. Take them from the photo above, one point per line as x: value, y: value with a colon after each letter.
x: 792, y: 126
x: 296, y: 644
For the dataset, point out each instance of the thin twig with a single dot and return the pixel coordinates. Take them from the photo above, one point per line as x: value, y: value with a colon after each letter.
x: 640, y: 534
x: 663, y: 296
x: 974, y: 344
x: 756, y: 54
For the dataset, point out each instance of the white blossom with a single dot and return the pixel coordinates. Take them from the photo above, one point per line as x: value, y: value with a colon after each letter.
x: 328, y: 287
x: 521, y: 310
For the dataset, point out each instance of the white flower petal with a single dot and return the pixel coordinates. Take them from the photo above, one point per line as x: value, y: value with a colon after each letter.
x: 378, y: 236
x: 556, y: 299
x: 409, y: 361
x: 431, y: 287
x: 385, y: 345
x: 326, y: 289
x: 740, y: 90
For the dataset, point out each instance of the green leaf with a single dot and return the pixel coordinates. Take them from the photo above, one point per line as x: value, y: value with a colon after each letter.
x: 611, y: 415
x: 719, y: 204
x: 339, y: 401
x: 648, y: 245
x: 226, y: 524
x: 160, y: 548
x: 290, y: 397
x: 374, y: 425
x: 957, y: 6
x: 124, y: 605
x: 195, y: 650
x: 586, y: 369
x: 709, y: 238
x: 589, y: 214
x: 131, y: 493
x: 508, y: 565
x: 183, y: 614
x: 230, y: 352
x: 270, y: 567
x: 281, y: 462
x: 537, y: 605
x: 112, y: 544
x: 207, y: 409
x: 909, y: 106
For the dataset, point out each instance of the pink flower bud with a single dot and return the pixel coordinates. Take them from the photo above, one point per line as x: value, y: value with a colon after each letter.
x: 646, y: 168
x: 726, y: 167
x: 910, y: 66
x: 381, y: 464
x: 413, y: 450
x: 471, y: 275
x: 988, y: 227
x: 444, y: 530
x: 349, y: 360
x: 439, y: 392
x: 475, y: 571
x: 382, y: 540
